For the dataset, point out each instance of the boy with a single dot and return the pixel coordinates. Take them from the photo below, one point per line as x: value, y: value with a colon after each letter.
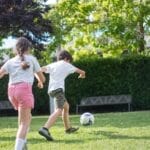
x: 58, y: 72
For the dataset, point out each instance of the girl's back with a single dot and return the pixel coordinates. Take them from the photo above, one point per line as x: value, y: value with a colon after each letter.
x: 17, y: 74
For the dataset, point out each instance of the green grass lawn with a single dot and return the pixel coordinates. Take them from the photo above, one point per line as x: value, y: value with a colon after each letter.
x: 111, y: 131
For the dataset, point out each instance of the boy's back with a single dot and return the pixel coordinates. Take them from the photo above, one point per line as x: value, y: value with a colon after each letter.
x: 58, y: 72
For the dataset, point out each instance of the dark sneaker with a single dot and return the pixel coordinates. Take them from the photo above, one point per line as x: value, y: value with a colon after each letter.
x: 72, y: 130
x: 44, y: 132
x: 25, y: 146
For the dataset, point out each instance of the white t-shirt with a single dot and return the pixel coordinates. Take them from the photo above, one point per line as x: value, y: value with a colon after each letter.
x: 17, y: 74
x: 58, y: 72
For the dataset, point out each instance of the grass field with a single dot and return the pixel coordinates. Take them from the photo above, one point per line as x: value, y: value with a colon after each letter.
x: 111, y: 131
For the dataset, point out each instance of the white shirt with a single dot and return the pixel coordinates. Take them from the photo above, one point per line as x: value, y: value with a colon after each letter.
x: 58, y: 72
x: 17, y: 74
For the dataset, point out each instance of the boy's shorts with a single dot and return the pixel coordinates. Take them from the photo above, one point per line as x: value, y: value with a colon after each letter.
x: 59, y: 97
x: 20, y: 95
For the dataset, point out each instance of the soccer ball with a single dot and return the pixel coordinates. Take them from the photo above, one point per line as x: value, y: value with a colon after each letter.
x: 87, y: 119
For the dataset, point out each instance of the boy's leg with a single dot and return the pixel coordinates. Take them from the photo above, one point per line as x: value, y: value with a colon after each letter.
x: 24, y: 119
x: 59, y: 98
x: 66, y: 120
x: 52, y: 118
x: 50, y: 122
x: 65, y: 116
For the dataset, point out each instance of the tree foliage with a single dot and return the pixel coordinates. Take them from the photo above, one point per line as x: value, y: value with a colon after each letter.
x: 108, y: 25
x: 25, y: 18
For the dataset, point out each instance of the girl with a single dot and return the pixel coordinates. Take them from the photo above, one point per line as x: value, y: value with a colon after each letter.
x: 21, y: 70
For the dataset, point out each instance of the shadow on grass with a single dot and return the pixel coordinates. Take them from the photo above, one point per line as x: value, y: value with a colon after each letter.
x: 115, y: 135
x: 7, y: 138
x: 39, y: 140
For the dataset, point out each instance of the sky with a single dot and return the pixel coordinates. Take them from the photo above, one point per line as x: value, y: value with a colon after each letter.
x: 10, y: 42
x: 51, y: 1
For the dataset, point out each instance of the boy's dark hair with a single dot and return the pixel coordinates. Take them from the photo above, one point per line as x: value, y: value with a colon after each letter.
x: 65, y: 55
x: 22, y: 46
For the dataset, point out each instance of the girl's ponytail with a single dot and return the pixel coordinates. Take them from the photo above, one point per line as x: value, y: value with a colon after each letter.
x: 22, y: 46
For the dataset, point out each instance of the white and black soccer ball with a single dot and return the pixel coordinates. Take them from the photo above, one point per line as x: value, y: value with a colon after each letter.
x: 87, y: 119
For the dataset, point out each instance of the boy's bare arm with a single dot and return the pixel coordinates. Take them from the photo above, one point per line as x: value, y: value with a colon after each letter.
x: 43, y: 69
x: 81, y: 73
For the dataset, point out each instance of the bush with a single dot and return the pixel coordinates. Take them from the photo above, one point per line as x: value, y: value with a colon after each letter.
x: 111, y: 76
x: 107, y: 76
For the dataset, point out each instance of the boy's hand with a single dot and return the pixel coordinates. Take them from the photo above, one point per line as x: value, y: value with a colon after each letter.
x: 82, y: 75
x: 40, y: 85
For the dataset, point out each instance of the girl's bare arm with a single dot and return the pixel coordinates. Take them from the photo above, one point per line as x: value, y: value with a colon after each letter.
x: 41, y: 79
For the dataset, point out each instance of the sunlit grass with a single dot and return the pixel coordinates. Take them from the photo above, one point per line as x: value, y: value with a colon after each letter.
x: 111, y: 131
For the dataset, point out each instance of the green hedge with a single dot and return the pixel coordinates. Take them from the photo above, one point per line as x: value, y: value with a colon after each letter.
x: 109, y: 76
x: 113, y: 77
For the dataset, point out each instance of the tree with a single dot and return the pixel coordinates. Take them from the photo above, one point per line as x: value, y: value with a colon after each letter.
x: 25, y: 18
x: 127, y: 21
x: 108, y: 25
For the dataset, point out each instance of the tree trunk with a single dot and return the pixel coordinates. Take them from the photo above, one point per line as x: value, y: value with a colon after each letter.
x: 141, y: 36
x: 141, y: 29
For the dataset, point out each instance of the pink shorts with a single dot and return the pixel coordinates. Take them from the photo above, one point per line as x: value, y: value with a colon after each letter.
x: 20, y: 95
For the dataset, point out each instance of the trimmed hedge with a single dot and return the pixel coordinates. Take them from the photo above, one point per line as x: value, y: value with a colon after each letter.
x: 111, y: 76
x: 107, y: 76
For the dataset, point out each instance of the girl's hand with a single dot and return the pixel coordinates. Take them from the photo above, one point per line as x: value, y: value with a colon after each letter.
x: 40, y: 85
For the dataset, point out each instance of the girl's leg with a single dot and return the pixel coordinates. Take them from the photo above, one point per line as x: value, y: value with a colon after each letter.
x: 65, y: 116
x: 24, y: 119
